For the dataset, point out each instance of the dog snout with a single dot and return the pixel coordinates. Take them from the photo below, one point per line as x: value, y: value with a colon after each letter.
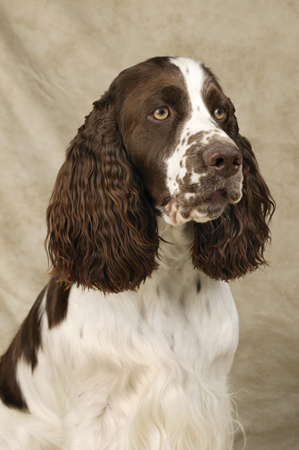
x: 224, y: 160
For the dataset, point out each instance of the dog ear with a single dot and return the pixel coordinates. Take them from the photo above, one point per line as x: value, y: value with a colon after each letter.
x: 234, y: 244
x: 102, y: 232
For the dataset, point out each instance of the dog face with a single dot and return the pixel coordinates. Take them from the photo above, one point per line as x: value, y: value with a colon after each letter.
x: 176, y: 132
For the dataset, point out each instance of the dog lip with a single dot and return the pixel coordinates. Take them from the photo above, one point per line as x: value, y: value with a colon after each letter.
x: 218, y: 194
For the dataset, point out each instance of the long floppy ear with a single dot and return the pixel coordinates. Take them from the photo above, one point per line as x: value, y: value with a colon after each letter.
x: 234, y: 244
x: 102, y: 232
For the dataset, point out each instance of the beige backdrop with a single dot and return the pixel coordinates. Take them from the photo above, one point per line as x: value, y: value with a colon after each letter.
x: 58, y: 56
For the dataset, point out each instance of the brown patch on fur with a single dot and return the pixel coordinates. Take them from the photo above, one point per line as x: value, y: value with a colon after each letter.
x: 57, y: 302
x: 148, y: 142
x: 197, y: 137
x: 25, y: 345
x: 198, y: 285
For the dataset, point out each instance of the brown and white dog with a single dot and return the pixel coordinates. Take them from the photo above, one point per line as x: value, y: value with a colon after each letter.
x: 158, y: 204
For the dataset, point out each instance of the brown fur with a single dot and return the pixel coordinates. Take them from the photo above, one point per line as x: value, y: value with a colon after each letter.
x: 101, y: 229
x: 25, y: 345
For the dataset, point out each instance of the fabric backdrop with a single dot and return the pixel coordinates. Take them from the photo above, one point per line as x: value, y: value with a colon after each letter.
x: 59, y: 56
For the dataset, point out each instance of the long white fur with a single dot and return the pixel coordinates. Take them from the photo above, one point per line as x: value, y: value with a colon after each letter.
x: 144, y: 370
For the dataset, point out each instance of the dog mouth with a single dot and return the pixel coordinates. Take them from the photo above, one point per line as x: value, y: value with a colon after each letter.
x: 200, y: 208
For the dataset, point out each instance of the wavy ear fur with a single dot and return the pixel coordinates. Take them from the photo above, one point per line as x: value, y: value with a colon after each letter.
x: 234, y: 244
x: 102, y: 232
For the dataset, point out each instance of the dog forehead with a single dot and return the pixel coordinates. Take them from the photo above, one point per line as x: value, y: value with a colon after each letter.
x: 194, y: 79
x: 149, y: 77
x: 203, y: 90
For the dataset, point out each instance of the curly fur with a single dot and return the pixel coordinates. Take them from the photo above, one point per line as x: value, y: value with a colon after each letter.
x: 102, y: 232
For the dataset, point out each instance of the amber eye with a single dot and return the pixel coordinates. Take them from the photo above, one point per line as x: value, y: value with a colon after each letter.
x: 219, y: 113
x: 161, y: 113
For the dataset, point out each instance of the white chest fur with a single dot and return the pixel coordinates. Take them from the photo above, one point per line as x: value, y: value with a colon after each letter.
x: 144, y: 370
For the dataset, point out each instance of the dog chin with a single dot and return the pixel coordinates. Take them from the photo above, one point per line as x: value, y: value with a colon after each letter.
x: 179, y: 215
x: 177, y: 212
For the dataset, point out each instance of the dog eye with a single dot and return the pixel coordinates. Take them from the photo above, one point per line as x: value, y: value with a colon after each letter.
x: 219, y: 113
x: 161, y: 113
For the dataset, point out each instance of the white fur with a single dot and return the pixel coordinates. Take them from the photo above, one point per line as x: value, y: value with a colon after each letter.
x: 144, y: 370
x: 174, y: 214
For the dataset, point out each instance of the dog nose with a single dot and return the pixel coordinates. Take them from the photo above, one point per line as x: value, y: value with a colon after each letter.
x: 223, y: 160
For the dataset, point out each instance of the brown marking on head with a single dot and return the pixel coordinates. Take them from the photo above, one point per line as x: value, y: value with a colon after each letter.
x: 197, y: 137
x: 148, y: 142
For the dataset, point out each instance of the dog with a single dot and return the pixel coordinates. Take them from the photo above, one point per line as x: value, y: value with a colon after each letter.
x: 159, y: 203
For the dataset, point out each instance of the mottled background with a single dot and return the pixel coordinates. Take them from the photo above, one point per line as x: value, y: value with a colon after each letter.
x: 58, y: 56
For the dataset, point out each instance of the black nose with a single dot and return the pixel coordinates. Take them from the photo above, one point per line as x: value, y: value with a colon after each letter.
x: 223, y: 160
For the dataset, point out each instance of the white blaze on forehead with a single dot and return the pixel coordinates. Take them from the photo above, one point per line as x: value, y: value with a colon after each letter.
x: 194, y: 78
